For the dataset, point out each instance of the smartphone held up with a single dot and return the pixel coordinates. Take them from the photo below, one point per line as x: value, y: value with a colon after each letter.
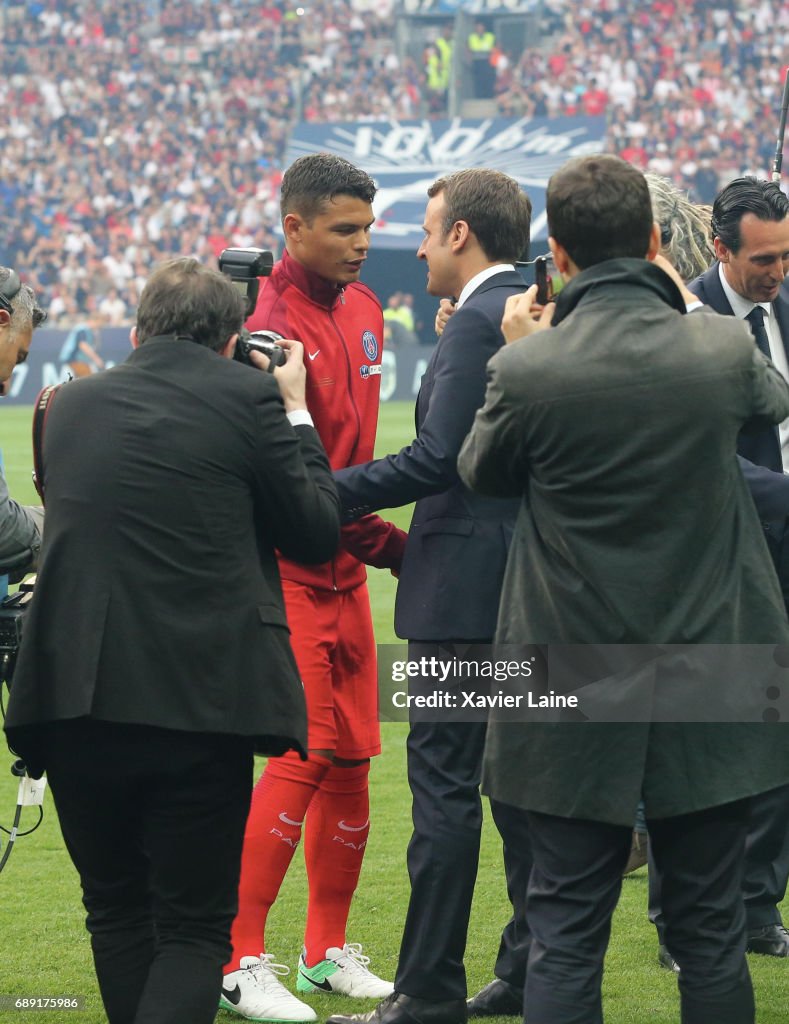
x: 547, y: 278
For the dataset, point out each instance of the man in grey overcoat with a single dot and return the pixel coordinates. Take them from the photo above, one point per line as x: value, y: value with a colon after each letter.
x: 617, y: 426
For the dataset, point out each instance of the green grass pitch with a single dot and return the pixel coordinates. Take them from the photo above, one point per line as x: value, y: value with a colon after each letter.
x: 45, y: 949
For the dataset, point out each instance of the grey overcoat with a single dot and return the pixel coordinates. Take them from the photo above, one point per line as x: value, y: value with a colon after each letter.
x: 618, y: 429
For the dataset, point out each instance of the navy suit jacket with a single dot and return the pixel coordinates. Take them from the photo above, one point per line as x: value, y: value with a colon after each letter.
x: 760, y: 452
x: 452, y: 570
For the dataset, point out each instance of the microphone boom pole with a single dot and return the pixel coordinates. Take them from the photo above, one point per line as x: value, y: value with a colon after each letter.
x: 779, y: 142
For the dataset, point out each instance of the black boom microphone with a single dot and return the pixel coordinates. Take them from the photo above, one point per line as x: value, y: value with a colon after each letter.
x: 779, y: 142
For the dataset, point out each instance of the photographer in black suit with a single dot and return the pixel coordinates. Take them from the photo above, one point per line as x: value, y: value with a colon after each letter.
x: 20, y: 525
x: 156, y: 656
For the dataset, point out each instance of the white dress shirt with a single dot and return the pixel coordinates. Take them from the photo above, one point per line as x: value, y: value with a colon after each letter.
x: 471, y: 286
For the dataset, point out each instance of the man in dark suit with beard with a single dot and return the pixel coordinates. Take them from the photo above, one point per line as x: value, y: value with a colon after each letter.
x: 156, y: 656
x: 750, y: 229
x: 476, y: 225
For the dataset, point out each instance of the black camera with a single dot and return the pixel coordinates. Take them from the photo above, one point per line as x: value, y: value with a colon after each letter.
x: 244, y: 267
x: 13, y: 609
x: 260, y: 341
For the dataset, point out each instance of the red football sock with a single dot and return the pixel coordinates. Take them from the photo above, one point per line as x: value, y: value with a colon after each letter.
x: 335, y: 837
x: 279, y: 804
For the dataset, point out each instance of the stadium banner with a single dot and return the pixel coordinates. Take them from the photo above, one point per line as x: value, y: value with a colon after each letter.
x: 473, y: 7
x: 51, y: 359
x: 400, y: 377
x: 405, y: 158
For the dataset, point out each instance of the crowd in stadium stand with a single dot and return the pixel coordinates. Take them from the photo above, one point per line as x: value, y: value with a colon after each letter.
x: 134, y: 131
x: 691, y: 90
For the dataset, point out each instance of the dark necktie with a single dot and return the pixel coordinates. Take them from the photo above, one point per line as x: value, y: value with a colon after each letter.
x: 756, y: 319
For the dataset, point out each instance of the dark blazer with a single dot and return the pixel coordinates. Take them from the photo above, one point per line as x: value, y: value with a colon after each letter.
x: 759, y: 451
x: 456, y: 550
x: 169, y: 482
x: 618, y: 428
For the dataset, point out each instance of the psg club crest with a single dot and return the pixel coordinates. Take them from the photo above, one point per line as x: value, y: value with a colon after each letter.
x: 370, y: 345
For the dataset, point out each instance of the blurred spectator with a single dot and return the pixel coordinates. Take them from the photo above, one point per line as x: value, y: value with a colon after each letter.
x: 445, y: 44
x: 481, y: 44
x: 407, y: 311
x: 112, y: 308
x: 399, y: 319
x: 435, y: 80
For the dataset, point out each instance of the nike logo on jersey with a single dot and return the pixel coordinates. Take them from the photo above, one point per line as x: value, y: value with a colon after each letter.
x: 232, y: 995
x: 351, y: 828
x: 313, y: 354
x: 289, y: 821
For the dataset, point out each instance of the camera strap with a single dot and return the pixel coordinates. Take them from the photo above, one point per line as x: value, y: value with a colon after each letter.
x: 40, y: 414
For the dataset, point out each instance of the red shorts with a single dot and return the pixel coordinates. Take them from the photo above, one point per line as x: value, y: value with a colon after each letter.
x: 332, y: 638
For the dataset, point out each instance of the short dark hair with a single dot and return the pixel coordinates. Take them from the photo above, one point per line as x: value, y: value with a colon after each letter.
x: 745, y: 195
x: 313, y: 181
x: 598, y: 208
x: 493, y: 205
x: 24, y: 308
x: 185, y: 298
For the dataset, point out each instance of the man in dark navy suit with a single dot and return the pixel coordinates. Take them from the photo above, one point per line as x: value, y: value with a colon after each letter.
x: 750, y: 228
x: 476, y: 225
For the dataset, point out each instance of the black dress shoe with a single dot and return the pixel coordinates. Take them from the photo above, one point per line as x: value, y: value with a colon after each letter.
x: 401, y: 1009
x: 665, y: 959
x: 772, y: 940
x: 498, y: 999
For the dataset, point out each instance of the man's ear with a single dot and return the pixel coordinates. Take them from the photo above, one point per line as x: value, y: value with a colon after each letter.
x: 560, y: 257
x: 133, y: 337
x: 292, y: 225
x: 654, y: 241
x: 459, y: 235
x: 230, y: 347
x: 722, y: 251
x: 5, y: 317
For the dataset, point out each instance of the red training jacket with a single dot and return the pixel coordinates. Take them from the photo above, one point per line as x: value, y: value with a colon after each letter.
x: 341, y: 330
